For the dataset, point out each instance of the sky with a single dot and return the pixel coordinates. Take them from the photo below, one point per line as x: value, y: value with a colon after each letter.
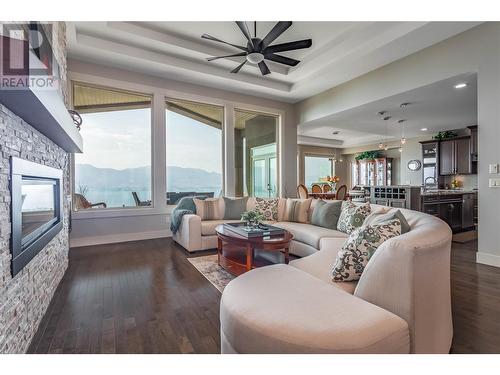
x: 122, y: 139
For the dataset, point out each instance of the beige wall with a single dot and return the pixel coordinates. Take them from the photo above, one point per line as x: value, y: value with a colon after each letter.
x: 476, y: 50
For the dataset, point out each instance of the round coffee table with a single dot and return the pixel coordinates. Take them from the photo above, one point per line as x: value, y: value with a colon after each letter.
x: 238, y: 254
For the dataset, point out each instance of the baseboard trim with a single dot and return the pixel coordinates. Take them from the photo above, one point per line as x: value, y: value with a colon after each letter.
x: 116, y: 238
x: 488, y: 259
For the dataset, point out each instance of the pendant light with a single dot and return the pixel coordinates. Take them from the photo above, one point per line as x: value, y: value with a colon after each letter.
x: 403, y: 139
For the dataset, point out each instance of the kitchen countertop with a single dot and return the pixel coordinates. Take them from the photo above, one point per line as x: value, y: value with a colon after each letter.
x: 447, y: 192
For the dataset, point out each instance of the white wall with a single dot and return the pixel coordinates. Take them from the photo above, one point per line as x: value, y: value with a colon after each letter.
x: 106, y: 226
x: 476, y: 50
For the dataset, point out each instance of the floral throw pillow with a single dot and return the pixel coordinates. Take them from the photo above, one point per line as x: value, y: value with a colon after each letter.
x: 267, y: 207
x: 359, y: 248
x: 352, y: 216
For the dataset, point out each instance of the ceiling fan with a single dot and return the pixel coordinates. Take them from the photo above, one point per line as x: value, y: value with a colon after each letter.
x: 257, y: 50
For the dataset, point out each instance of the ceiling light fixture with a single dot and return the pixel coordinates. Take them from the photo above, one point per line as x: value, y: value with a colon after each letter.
x: 424, y: 129
x: 404, y: 105
x: 403, y: 139
x: 335, y: 132
x: 461, y: 85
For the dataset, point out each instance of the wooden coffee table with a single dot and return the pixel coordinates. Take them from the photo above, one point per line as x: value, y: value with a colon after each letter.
x: 238, y: 254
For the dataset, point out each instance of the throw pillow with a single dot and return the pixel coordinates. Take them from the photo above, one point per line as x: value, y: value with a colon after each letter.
x: 296, y: 210
x: 386, y: 216
x: 352, y: 216
x: 234, y: 208
x: 354, y: 255
x: 267, y: 207
x: 208, y: 209
x: 326, y: 215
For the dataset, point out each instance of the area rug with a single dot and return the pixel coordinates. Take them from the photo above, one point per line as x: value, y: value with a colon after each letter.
x: 208, y: 266
x: 465, y: 236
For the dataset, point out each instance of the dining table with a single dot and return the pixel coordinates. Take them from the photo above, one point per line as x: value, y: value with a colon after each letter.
x: 328, y: 195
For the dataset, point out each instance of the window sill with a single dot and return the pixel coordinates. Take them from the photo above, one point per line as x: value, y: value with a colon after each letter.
x: 120, y: 212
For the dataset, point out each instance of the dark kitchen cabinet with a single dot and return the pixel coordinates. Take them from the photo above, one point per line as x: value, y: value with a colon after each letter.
x: 455, y: 156
x: 451, y: 213
x: 468, y: 203
x: 457, y: 210
x: 447, y: 158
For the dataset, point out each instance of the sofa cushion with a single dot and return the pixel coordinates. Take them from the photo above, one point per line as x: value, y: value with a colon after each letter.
x: 234, y: 207
x: 326, y: 214
x: 380, y: 217
x: 309, y: 234
x: 208, y: 226
x: 209, y: 208
x: 267, y: 207
x: 281, y: 309
x: 296, y: 210
x: 352, y: 216
x: 320, y: 265
x: 359, y: 248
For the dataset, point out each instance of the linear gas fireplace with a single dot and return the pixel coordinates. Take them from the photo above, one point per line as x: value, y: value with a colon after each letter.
x: 36, y: 209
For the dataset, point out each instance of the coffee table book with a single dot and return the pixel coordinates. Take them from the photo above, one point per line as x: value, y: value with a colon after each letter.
x: 250, y: 232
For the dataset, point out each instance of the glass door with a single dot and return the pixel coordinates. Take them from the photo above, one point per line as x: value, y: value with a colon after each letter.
x: 264, y: 172
x: 256, y: 154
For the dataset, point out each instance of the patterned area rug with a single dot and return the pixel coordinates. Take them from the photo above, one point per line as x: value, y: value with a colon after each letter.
x: 208, y: 267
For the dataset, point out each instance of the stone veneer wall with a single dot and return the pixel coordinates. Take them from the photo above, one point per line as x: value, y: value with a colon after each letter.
x: 24, y: 299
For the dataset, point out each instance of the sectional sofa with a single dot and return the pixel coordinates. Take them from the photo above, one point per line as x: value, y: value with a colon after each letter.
x: 195, y: 234
x: 401, y: 303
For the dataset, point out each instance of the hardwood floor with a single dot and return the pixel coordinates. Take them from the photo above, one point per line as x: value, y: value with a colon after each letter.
x: 145, y: 297
x: 134, y: 297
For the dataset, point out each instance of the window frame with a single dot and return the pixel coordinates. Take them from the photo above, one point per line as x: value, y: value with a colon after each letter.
x: 278, y: 131
x: 223, y: 143
x: 161, y: 93
x: 141, y: 210
x: 317, y: 155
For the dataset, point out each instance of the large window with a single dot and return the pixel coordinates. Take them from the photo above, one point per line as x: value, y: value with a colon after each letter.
x: 194, y: 150
x: 317, y: 167
x: 115, y: 168
x: 255, y: 154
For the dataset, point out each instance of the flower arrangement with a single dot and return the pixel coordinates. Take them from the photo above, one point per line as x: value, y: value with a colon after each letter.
x: 333, y: 179
x: 252, y: 218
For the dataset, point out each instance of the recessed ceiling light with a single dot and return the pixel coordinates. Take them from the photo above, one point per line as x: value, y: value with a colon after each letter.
x: 461, y: 85
x: 335, y: 132
x: 424, y: 129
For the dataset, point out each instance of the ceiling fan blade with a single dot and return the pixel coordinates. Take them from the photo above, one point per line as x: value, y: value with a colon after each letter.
x: 237, y: 69
x: 290, y: 46
x: 222, y: 57
x: 263, y: 68
x: 210, y: 37
x: 244, y: 29
x: 282, y: 59
x: 275, y: 32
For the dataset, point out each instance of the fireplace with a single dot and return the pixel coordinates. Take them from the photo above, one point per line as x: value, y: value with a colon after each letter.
x: 36, y: 209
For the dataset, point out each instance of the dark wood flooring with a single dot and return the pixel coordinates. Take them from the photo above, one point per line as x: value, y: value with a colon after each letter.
x: 145, y: 297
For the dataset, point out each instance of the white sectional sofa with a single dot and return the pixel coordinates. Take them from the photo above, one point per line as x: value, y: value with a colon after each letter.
x: 195, y: 234
x: 401, y: 304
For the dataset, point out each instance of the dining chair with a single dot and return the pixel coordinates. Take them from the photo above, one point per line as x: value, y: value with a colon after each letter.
x: 302, y: 192
x: 316, y: 188
x: 327, y: 188
x: 341, y: 193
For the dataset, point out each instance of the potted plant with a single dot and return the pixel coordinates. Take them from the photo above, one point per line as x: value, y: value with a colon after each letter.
x: 252, y: 218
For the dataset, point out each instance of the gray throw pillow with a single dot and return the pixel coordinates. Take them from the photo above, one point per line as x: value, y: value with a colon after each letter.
x: 326, y: 215
x: 234, y: 208
x: 405, y: 227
